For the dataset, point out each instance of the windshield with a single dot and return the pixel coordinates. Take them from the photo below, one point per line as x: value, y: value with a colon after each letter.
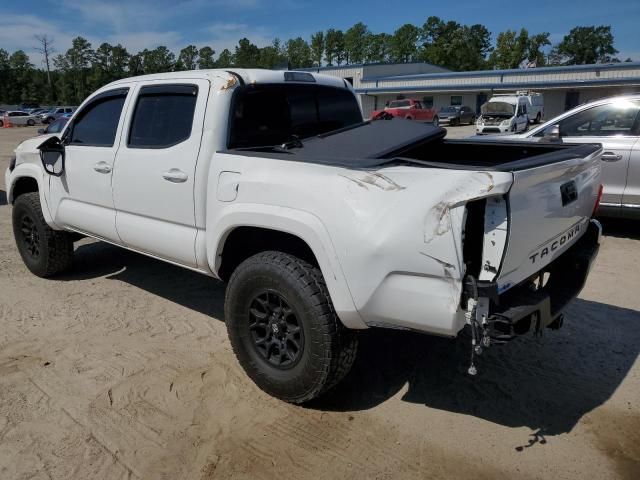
x: 273, y: 114
x: 450, y: 109
x: 498, y: 108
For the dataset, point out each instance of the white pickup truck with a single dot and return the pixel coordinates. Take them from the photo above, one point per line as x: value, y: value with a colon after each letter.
x: 321, y: 224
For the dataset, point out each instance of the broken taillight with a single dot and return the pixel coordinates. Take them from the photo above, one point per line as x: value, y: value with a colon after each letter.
x: 597, y: 205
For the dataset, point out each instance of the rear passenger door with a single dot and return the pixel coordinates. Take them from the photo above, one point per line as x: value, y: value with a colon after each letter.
x: 614, y: 125
x: 153, y: 179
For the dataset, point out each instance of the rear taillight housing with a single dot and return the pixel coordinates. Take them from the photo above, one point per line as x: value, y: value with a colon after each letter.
x: 597, y: 205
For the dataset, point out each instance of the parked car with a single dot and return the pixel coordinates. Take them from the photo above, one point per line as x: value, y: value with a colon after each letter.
x: 321, y: 224
x: 54, y: 127
x: 613, y: 122
x: 17, y: 117
x: 503, y: 114
x: 457, y: 115
x: 410, y: 109
x: 53, y: 113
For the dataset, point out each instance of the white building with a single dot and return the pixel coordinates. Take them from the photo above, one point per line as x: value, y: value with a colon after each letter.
x: 563, y: 87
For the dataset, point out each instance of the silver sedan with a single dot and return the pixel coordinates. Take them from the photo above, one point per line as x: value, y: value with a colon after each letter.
x: 613, y: 122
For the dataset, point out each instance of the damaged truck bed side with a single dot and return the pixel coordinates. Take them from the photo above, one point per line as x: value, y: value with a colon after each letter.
x: 322, y: 224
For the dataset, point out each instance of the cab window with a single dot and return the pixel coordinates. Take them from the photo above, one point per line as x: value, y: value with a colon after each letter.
x: 163, y: 116
x: 97, y: 123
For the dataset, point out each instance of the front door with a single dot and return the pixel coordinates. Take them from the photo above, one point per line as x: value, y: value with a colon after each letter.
x: 153, y: 179
x: 81, y: 198
x: 612, y: 125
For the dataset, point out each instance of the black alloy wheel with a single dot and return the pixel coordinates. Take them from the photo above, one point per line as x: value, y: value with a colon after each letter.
x: 277, y: 334
x: 30, y: 235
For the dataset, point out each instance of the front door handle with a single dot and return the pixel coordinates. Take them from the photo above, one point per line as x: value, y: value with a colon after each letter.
x: 610, y: 157
x: 175, y: 176
x: 102, y: 167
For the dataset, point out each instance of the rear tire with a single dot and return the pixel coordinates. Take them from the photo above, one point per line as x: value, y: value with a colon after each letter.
x: 538, y: 118
x: 436, y: 121
x: 30, y: 122
x: 1, y: 124
x: 45, y: 252
x: 283, y: 327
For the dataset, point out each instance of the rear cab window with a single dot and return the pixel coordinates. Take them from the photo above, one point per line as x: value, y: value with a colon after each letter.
x: 271, y: 114
x: 163, y: 116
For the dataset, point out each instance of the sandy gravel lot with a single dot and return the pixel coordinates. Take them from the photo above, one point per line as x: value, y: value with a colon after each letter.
x: 122, y: 369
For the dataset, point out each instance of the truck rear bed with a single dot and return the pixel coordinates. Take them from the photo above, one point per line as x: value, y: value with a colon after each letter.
x: 551, y: 189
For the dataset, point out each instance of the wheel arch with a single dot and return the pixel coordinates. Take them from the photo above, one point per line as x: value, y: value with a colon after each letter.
x: 261, y: 228
x: 28, y: 178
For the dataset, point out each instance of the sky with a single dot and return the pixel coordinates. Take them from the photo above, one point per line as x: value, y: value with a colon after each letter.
x: 221, y: 23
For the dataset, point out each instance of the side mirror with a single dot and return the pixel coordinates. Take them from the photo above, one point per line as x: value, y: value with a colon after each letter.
x: 52, y: 156
x: 551, y: 134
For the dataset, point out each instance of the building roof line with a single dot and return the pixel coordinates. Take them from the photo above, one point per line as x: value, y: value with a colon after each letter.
x: 515, y: 71
x: 634, y: 81
x: 362, y: 65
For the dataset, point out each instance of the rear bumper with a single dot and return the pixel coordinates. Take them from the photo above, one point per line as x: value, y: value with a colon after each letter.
x: 525, y: 308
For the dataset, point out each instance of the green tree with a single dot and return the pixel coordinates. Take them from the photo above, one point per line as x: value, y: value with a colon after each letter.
x: 5, y: 72
x: 135, y: 65
x: 247, y: 54
x: 455, y: 46
x: 299, y: 53
x: 225, y: 59
x: 378, y: 48
x: 188, y: 58
x: 317, y: 48
x: 205, y: 58
x: 158, y: 60
x: 334, y: 46
x: 536, y: 44
x: 404, y: 43
x: 586, y: 45
x: 272, y: 56
x: 511, y: 49
x: 79, y: 58
x: 21, y: 77
x: 355, y: 43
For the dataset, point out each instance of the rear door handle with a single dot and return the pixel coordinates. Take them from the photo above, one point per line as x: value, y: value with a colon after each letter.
x: 175, y: 176
x: 102, y: 167
x: 610, y: 157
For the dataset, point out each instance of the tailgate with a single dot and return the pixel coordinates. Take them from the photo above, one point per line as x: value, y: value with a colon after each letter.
x: 549, y: 209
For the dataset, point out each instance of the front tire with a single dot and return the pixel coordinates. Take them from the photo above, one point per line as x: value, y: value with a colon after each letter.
x: 436, y: 121
x: 31, y: 122
x: 283, y: 327
x: 45, y: 252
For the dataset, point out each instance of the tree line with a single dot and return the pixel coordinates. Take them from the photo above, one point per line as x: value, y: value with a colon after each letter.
x: 67, y: 78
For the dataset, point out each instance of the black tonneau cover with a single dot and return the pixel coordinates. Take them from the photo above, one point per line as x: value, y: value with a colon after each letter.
x: 373, y: 144
x: 377, y: 139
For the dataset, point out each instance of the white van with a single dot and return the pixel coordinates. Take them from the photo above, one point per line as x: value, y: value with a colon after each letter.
x: 504, y: 114
x: 535, y: 107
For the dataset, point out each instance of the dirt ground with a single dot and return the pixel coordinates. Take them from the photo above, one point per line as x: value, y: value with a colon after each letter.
x: 122, y: 369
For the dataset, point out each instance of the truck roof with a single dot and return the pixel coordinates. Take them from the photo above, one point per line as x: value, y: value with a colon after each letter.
x: 248, y: 75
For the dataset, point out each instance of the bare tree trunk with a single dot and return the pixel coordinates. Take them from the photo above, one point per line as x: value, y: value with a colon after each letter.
x: 46, y: 49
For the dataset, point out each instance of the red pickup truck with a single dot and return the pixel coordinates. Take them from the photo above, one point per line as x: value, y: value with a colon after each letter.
x: 407, y: 108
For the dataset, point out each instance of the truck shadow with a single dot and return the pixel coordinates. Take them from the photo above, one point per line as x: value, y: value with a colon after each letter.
x: 546, y: 384
x: 184, y: 287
